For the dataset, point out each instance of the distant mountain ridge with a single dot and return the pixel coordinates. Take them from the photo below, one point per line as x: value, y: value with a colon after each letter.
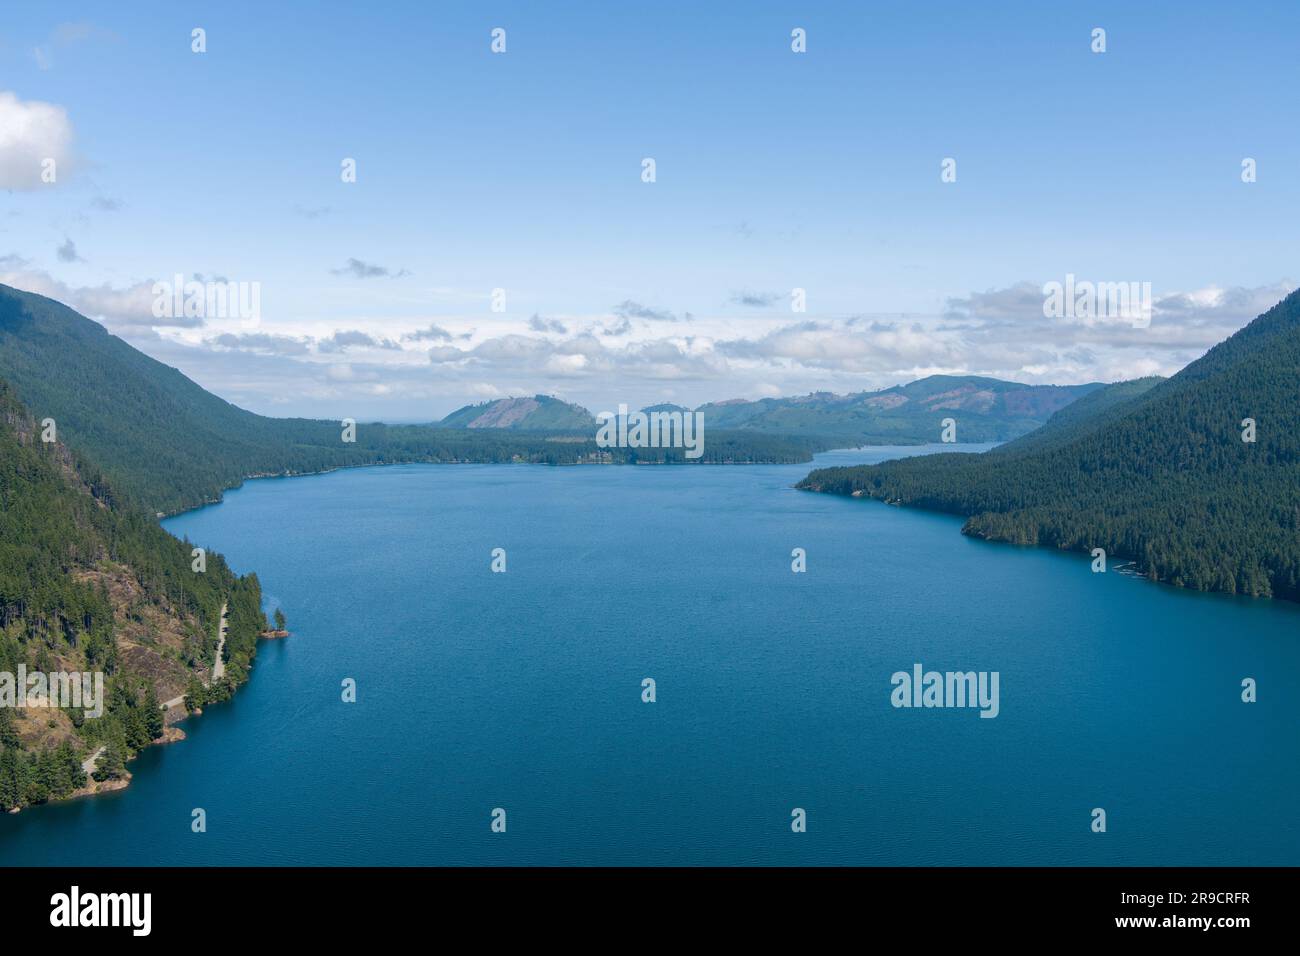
x: 986, y: 409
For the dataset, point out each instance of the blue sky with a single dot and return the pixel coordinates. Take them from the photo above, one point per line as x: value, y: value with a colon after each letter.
x: 775, y: 171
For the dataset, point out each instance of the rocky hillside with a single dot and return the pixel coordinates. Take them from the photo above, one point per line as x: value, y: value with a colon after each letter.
x: 541, y: 412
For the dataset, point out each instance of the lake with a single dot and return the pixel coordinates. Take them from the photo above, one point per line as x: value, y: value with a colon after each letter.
x: 523, y: 690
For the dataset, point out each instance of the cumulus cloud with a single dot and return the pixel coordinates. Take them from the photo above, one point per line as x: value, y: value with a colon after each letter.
x: 624, y: 327
x: 835, y: 345
x: 1013, y: 302
x: 1231, y: 306
x: 539, y: 324
x: 129, y: 305
x: 582, y: 356
x: 68, y: 252
x: 351, y: 338
x: 261, y: 342
x: 434, y: 333
x: 627, y: 309
x: 31, y: 134
x: 999, y: 332
x: 1183, y: 324
x: 757, y: 300
x: 358, y: 269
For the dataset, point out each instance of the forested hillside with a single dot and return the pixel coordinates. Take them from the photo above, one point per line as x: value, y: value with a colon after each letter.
x: 1089, y: 413
x: 90, y: 584
x: 1156, y: 473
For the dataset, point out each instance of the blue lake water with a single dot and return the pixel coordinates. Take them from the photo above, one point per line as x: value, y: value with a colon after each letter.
x: 522, y: 690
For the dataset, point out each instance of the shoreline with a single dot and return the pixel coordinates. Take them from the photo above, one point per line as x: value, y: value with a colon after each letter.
x: 171, y: 734
x: 1122, y: 564
x: 94, y: 788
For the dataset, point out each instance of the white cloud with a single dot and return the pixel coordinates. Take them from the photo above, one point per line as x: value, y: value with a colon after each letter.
x: 1000, y: 333
x: 425, y: 365
x: 32, y: 132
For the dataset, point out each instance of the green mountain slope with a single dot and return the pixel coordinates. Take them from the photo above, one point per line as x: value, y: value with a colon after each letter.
x: 1091, y: 412
x: 985, y: 409
x: 1161, y: 476
x: 88, y: 585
